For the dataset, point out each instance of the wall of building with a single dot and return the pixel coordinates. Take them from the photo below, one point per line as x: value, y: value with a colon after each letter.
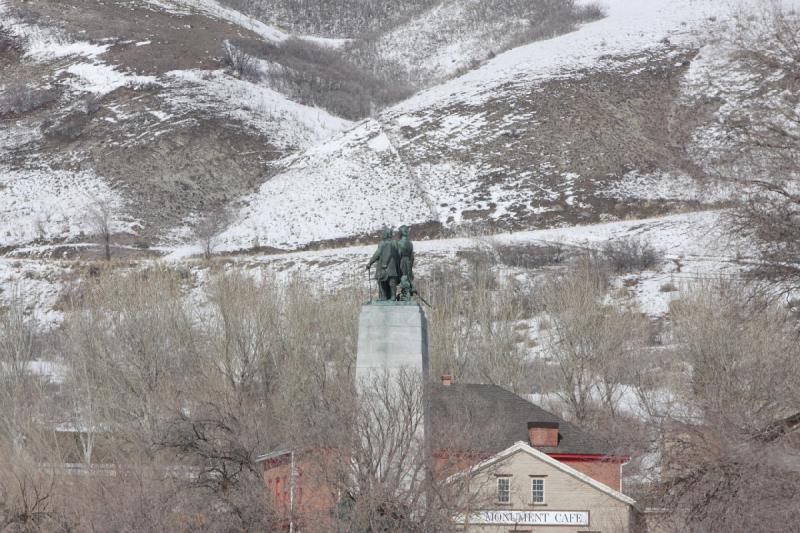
x: 607, y: 472
x: 563, y: 492
x: 313, y: 493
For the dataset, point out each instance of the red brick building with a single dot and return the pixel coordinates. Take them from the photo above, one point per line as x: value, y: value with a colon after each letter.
x: 468, y: 423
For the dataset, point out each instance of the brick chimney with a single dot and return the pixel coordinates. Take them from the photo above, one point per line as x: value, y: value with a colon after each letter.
x: 447, y: 380
x: 543, y: 434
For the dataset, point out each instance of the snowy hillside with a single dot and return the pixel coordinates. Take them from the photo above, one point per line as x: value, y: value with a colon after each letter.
x: 136, y: 111
x: 348, y: 186
x: 129, y: 107
x: 575, y: 129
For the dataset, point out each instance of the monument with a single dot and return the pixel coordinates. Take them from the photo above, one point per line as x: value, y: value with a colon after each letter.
x: 392, y: 330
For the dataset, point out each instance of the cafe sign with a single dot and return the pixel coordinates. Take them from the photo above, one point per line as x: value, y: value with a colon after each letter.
x: 531, y: 518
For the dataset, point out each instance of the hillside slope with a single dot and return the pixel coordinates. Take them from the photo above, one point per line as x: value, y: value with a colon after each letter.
x: 124, y: 104
x: 134, y: 112
x: 581, y: 128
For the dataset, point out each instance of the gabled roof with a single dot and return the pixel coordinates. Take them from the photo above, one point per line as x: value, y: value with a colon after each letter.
x: 496, y: 418
x: 521, y: 447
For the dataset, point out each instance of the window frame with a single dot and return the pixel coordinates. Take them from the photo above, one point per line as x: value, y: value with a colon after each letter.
x: 506, y: 479
x: 534, y: 481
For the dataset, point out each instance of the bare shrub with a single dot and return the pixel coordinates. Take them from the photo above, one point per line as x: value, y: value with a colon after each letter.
x: 668, y: 287
x: 19, y: 98
x: 631, y: 255
x: 590, y: 11
x: 530, y: 255
x: 8, y: 43
x: 546, y: 19
x: 66, y: 128
x: 743, y: 394
x: 316, y: 75
x: 244, y: 65
x: 29, y: 495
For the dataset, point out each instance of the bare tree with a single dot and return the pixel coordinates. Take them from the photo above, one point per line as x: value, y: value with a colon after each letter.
x: 760, y: 125
x: 20, y: 392
x: 136, y: 342
x: 100, y: 219
x: 377, y: 467
x: 207, y: 229
x: 26, y: 490
x: 86, y: 391
x: 591, y: 342
x: 739, y: 431
x: 473, y: 326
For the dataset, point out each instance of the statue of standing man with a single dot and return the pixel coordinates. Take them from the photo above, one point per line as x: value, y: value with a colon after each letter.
x: 387, y: 272
x: 405, y: 248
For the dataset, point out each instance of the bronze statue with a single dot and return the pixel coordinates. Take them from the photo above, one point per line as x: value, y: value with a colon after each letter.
x: 387, y: 272
x: 405, y: 248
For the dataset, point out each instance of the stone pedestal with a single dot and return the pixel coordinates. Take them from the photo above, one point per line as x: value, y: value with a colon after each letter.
x: 392, y: 370
x: 391, y: 336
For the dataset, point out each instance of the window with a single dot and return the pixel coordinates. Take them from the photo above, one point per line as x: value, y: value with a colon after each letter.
x: 504, y: 490
x: 537, y: 490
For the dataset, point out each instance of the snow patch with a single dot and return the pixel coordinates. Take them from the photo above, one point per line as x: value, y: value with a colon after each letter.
x: 100, y: 78
x: 380, y: 143
x: 343, y: 188
x: 45, y: 203
x: 287, y: 123
x: 668, y: 186
x: 216, y: 10
x: 631, y: 26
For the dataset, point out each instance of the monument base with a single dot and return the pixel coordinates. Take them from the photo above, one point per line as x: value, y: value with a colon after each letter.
x: 391, y: 336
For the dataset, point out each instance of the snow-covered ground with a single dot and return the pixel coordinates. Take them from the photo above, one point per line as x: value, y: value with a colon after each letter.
x: 333, y: 192
x: 37, y: 285
x: 286, y: 123
x: 694, y: 246
x: 630, y: 26
x: 434, y: 45
x: 214, y: 9
x: 351, y: 185
x: 88, y: 72
x: 48, y: 204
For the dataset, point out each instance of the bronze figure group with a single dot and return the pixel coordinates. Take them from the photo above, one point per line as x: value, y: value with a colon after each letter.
x: 395, y: 265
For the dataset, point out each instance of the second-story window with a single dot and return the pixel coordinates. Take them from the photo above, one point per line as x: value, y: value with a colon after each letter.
x: 504, y: 490
x: 537, y: 490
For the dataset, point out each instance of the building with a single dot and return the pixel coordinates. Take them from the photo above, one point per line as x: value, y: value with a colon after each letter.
x: 524, y: 489
x: 497, y: 419
x: 529, y: 469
